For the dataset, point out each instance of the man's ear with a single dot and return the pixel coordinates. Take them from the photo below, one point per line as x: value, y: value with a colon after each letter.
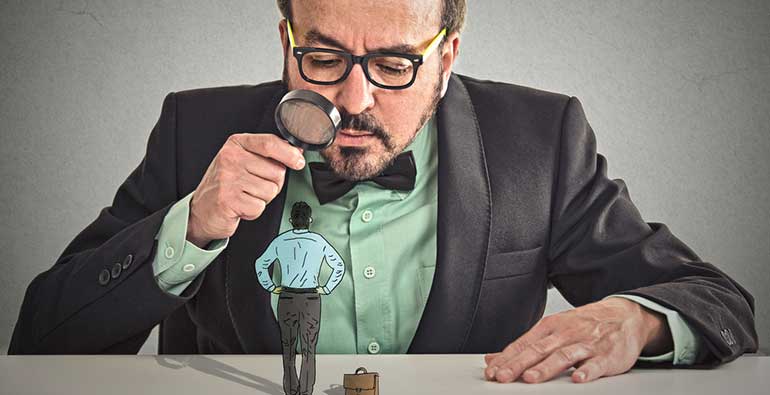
x: 284, y: 35
x: 310, y: 220
x: 449, y: 52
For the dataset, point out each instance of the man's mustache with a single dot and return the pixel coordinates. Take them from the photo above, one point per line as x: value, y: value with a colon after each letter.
x: 365, y: 122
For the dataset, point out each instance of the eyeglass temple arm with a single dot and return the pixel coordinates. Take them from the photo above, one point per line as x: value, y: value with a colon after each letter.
x: 433, y: 44
x: 291, y: 35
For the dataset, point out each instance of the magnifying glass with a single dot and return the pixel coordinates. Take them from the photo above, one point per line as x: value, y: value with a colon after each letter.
x: 307, y: 119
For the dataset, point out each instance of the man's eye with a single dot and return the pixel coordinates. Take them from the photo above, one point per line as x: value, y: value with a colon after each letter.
x: 393, y: 69
x: 325, y: 62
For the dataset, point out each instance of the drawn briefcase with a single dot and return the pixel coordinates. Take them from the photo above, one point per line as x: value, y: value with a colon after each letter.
x: 361, y: 383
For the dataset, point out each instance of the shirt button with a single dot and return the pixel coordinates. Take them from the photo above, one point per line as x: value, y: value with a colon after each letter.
x: 374, y: 348
x: 369, y: 272
x: 367, y: 216
x: 188, y: 267
x: 169, y: 253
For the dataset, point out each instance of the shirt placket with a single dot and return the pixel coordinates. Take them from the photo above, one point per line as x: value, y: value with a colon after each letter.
x: 370, y: 277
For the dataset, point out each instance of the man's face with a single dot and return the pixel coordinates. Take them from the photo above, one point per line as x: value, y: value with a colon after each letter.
x: 377, y: 124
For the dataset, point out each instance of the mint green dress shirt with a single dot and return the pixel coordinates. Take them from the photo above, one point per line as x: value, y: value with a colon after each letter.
x: 387, y: 240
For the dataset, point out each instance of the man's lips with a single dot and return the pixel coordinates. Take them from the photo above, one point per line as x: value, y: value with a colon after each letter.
x: 355, y: 133
x: 352, y: 137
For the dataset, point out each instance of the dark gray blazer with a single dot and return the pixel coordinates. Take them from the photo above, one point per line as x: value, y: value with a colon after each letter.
x: 524, y: 201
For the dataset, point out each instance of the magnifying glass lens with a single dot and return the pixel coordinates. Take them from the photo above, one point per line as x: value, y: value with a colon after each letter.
x: 307, y: 122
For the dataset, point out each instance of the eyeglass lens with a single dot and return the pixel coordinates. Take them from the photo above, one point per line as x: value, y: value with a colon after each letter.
x: 330, y: 67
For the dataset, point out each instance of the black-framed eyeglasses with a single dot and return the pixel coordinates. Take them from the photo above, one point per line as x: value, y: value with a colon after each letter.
x: 388, y: 70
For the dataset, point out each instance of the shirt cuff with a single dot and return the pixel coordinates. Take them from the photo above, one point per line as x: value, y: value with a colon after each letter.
x: 177, y: 261
x: 686, y: 342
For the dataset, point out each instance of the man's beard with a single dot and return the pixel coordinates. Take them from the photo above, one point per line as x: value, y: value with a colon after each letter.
x: 357, y: 163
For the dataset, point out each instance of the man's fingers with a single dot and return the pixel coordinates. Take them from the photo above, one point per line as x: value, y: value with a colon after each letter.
x: 510, y: 351
x: 271, y: 146
x: 258, y: 187
x: 590, y: 370
x: 536, y: 352
x: 267, y: 168
x: 248, y: 207
x: 559, y: 361
x: 535, y: 333
x: 489, y: 357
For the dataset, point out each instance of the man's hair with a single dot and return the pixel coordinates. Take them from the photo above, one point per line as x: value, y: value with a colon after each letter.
x: 452, y: 13
x: 300, y: 215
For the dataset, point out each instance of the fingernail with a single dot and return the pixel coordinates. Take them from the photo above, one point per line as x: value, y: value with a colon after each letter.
x: 301, y: 162
x: 532, y: 374
x: 580, y: 376
x: 504, y: 375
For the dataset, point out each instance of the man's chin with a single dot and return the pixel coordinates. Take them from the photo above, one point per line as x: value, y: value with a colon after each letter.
x: 354, y: 163
x: 342, y: 152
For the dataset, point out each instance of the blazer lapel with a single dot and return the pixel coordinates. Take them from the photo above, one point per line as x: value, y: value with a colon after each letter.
x: 464, y: 216
x: 247, y: 302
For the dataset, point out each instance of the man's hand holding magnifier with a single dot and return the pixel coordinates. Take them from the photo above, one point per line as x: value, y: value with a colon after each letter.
x: 246, y: 174
x: 249, y: 170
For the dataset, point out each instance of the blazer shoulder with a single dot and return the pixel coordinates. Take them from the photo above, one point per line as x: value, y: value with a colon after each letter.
x: 207, y: 116
x: 498, y: 95
x: 221, y: 96
x: 204, y: 118
x: 509, y: 113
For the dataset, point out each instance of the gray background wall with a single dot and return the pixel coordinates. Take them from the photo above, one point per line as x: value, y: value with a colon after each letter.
x: 677, y: 92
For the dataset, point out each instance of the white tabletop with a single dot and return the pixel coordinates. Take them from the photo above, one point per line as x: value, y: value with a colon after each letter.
x: 399, y: 374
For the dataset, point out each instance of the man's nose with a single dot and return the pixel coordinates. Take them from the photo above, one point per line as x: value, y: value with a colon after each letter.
x: 355, y: 94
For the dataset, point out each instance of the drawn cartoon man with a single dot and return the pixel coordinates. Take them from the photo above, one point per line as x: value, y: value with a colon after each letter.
x: 300, y: 253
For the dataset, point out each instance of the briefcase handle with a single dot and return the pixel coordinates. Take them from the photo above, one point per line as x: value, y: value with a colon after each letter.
x: 361, y: 369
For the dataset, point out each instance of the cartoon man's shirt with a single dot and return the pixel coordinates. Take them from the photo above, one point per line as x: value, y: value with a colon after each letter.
x: 300, y: 253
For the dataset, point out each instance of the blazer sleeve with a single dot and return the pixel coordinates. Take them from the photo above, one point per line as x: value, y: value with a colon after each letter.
x: 100, y: 296
x: 600, y: 245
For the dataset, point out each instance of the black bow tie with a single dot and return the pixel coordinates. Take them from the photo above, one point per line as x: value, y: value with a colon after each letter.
x: 328, y: 187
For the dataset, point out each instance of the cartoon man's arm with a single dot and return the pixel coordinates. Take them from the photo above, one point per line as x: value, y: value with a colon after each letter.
x: 334, y: 261
x: 263, y: 263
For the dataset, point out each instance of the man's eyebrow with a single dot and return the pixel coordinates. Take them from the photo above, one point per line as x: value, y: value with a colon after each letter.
x: 315, y: 37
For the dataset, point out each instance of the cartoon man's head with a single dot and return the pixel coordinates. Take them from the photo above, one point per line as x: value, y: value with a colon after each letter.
x: 301, y: 215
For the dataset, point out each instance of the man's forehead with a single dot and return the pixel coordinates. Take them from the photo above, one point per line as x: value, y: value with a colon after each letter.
x: 378, y: 25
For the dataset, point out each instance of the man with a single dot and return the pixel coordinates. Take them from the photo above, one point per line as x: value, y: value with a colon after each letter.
x: 300, y: 253
x: 509, y: 195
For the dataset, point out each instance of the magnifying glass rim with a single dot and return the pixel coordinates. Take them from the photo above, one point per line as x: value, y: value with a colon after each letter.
x: 319, y: 101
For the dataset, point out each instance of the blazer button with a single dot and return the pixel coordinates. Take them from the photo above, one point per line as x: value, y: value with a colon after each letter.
x: 104, y: 277
x: 127, y: 261
x: 116, y: 269
x: 727, y: 336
